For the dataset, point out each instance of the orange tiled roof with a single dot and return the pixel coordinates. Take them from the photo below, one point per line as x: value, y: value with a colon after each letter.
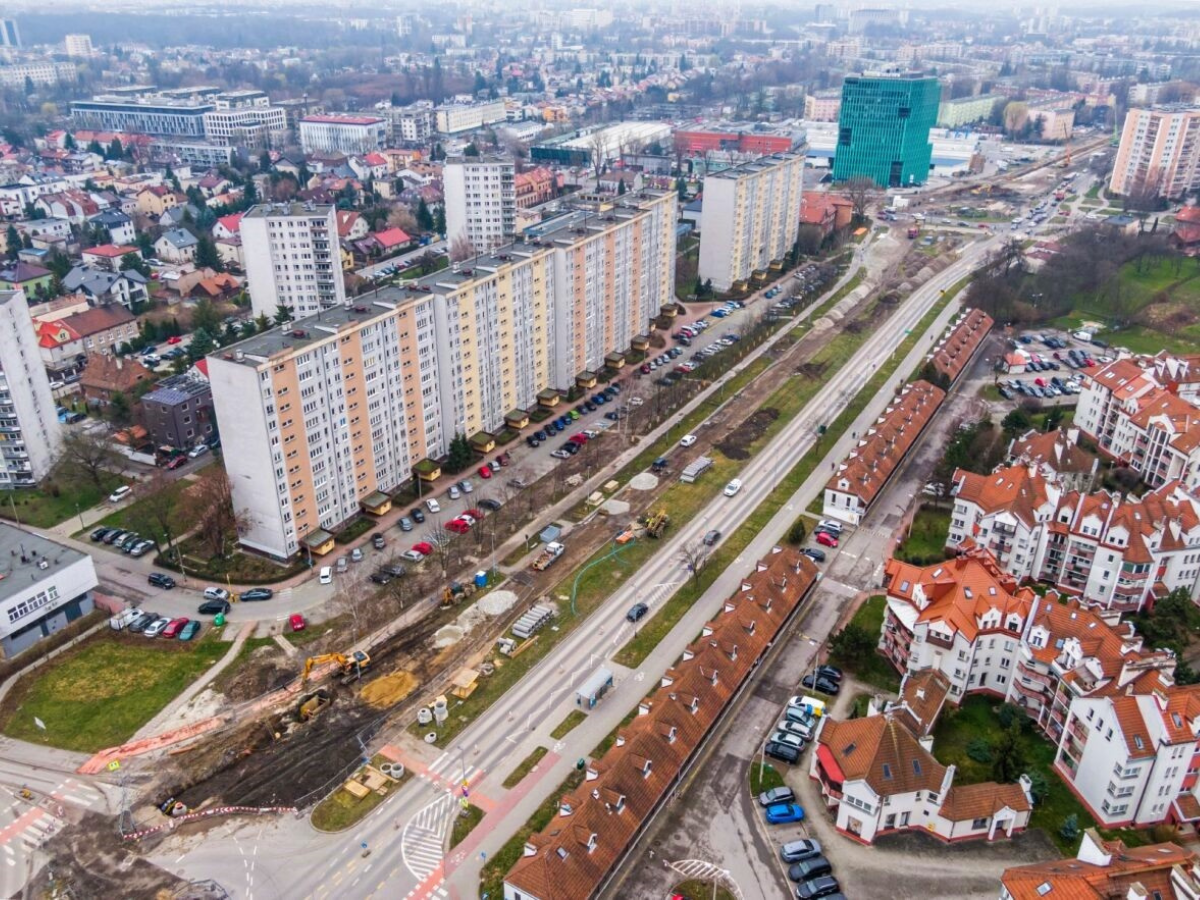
x: 884, y: 445
x: 1020, y: 490
x: 978, y: 801
x: 882, y: 752
x: 1055, y: 450
x: 922, y: 695
x: 1074, y: 879
x: 570, y: 857
x: 956, y: 350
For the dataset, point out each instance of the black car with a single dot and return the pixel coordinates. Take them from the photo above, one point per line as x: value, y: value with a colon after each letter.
x: 158, y: 579
x: 212, y: 607
x: 612, y: 416
x: 638, y: 610
x: 532, y: 441
x: 489, y: 504
x: 785, y: 752
x: 256, y: 594
x: 571, y: 447
x: 809, y: 869
x: 831, y: 673
x: 417, y: 514
x: 540, y: 434
x: 823, y: 886
x: 814, y: 554
x: 590, y: 406
x: 711, y: 537
x: 381, y: 577
x: 142, y: 622
x: 394, y: 569
x: 100, y: 534
x: 822, y: 684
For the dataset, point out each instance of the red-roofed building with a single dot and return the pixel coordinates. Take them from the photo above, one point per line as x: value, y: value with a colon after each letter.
x: 351, y: 226
x: 534, y: 187
x: 228, y: 227
x: 958, y: 347
x: 109, y: 256
x: 1185, y: 236
x: 825, y: 211
x: 850, y: 492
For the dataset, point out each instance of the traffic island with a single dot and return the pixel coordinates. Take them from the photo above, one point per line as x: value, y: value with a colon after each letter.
x: 464, y: 823
x: 358, y: 795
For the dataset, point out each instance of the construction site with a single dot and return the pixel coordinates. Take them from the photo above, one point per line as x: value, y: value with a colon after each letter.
x: 291, y: 729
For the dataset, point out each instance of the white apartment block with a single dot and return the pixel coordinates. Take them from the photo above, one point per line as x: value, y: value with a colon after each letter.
x: 350, y: 400
x: 47, y: 586
x: 30, y: 433
x: 77, y: 45
x: 259, y: 125
x: 750, y: 218
x: 411, y: 124
x: 1145, y: 413
x: 462, y: 117
x: 38, y: 72
x: 1159, y: 152
x: 350, y: 135
x: 291, y: 255
x: 481, y: 201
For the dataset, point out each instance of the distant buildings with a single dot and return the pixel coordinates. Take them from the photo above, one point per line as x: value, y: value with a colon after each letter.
x: 291, y: 258
x: 462, y: 117
x: 342, y: 134
x: 823, y: 106
x: 481, y: 201
x: 883, y: 129
x: 77, y: 45
x: 750, y: 219
x: 29, y: 424
x: 1159, y: 154
x: 321, y: 416
x: 47, y: 585
x: 10, y: 36
x: 966, y: 110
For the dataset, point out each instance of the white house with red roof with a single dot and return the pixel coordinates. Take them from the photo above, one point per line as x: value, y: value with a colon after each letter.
x: 228, y: 227
x: 109, y: 256
x: 351, y: 226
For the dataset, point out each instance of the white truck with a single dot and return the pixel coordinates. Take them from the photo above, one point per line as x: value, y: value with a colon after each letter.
x: 547, y: 557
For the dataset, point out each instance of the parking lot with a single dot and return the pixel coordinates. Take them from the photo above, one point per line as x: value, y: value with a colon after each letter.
x: 1048, y: 365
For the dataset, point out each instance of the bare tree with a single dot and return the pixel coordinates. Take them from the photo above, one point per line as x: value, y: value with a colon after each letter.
x: 89, y: 457
x: 208, y: 507
x: 442, y: 540
x: 1142, y: 199
x: 695, y: 557
x: 861, y: 192
x: 402, y: 217
x: 680, y: 147
x: 598, y: 147
x: 461, y: 248
x: 154, y: 512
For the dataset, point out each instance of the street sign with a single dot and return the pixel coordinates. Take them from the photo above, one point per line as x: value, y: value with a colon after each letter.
x: 114, y: 765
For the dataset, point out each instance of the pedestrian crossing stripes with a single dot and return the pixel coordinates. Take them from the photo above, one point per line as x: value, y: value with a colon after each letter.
x: 424, y: 837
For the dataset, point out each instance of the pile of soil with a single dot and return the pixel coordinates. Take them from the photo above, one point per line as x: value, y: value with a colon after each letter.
x: 736, y: 445
x: 385, y: 692
x: 266, y: 669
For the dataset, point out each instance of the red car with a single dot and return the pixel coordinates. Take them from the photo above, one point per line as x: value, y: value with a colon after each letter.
x: 1040, y: 382
x: 458, y: 526
x: 177, y: 462
x: 579, y: 439
x: 174, y: 339
x: 423, y: 547
x: 475, y: 514
x: 174, y: 627
x: 485, y: 471
x: 296, y: 622
x: 827, y: 539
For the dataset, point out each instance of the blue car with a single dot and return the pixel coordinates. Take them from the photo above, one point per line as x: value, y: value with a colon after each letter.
x: 782, y: 813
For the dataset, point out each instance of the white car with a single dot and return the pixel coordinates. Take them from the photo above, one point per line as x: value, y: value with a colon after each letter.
x: 120, y: 494
x: 216, y: 593
x: 454, y: 492
x: 733, y: 487
x: 432, y: 505
x: 326, y: 575
x: 830, y: 525
x: 687, y: 440
x: 197, y: 451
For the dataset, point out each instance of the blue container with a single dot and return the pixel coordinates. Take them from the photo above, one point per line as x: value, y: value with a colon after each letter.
x: 481, y: 579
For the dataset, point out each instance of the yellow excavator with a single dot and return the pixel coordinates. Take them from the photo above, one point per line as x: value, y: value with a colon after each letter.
x: 352, y: 664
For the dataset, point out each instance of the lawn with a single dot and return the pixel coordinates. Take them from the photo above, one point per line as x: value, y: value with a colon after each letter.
x: 926, y: 540
x: 873, y: 668
x: 516, y: 775
x: 491, y: 879
x: 1093, y: 192
x: 135, y: 515
x: 53, y: 501
x: 694, y: 887
x: 464, y: 823
x: 341, y: 809
x: 770, y: 778
x: 100, y: 693
x: 567, y: 725
x: 238, y: 567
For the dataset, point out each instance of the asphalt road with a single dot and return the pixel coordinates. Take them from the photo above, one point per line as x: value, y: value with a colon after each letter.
x: 320, y: 866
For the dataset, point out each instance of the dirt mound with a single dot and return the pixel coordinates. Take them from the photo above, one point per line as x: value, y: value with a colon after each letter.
x: 265, y: 670
x: 1166, y: 316
x: 389, y: 690
x: 737, y: 445
x: 811, y: 370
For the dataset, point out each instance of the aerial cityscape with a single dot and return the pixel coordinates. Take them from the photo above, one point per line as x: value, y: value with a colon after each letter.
x: 558, y: 452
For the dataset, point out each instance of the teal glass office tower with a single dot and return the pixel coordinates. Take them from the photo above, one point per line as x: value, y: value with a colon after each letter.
x: 883, y: 129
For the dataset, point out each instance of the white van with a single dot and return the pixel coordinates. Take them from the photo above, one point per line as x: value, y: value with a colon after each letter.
x: 326, y: 575
x: 123, y: 618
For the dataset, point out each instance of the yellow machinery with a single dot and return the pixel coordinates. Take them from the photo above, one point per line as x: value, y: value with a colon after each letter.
x: 351, y: 664
x: 657, y: 522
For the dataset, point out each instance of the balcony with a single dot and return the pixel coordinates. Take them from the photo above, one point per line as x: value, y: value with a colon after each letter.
x: 1078, y: 730
x: 939, y: 640
x: 1030, y: 691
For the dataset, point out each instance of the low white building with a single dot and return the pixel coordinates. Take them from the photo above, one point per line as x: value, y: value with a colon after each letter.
x: 46, y: 585
x: 348, y: 135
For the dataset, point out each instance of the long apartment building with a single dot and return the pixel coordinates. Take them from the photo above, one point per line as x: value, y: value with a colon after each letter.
x: 462, y: 117
x: 291, y: 254
x: 30, y: 433
x: 349, y: 135
x: 1145, y: 413
x: 323, y: 413
x: 1159, y: 152
x: 750, y: 219
x: 481, y: 200
x: 229, y: 118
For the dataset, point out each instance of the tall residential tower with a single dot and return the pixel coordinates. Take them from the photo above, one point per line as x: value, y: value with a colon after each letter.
x: 291, y: 258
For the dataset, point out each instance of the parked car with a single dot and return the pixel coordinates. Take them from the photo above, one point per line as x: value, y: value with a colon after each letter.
x: 326, y: 575
x: 458, y: 526
x: 687, y: 440
x: 417, y: 515
x: 787, y: 737
x: 490, y: 505
x: 99, y: 534
x: 216, y: 593
x: 296, y: 622
x: 378, y: 541
x: 138, y: 625
x: 808, y: 869
x: 174, y: 627
x: 783, y: 813
x: 197, y: 451
x: 423, y: 547
x: 465, y: 485
x: 824, y: 685
x: 831, y: 525
x: 433, y: 506
x: 454, y: 493
x: 637, y: 611
x: 826, y: 539
x: 795, y: 851
x: 155, y: 628
x: 258, y: 593
x: 356, y: 555
x: 120, y: 494
x: 412, y: 555
x: 833, y: 673
x: 405, y: 523
x: 782, y: 794
x: 814, y: 554
x: 783, y: 752
x: 190, y: 630
x: 213, y: 607
x: 802, y: 730
x: 158, y: 579
x: 380, y: 577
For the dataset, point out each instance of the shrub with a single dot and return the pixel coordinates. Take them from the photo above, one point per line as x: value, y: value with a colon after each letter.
x: 797, y: 533
x: 1070, y: 827
x: 979, y: 750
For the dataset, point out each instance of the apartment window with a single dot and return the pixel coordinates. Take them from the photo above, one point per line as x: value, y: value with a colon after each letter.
x: 978, y: 824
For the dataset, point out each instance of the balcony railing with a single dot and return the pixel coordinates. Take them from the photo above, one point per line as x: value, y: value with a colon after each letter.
x: 939, y: 640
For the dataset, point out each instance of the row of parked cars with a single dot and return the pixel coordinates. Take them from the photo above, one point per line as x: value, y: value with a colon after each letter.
x: 153, y: 625
x: 126, y: 541
x: 807, y: 864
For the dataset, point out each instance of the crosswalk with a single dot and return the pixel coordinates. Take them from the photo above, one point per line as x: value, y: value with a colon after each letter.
x: 32, y: 824
x: 423, y: 841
